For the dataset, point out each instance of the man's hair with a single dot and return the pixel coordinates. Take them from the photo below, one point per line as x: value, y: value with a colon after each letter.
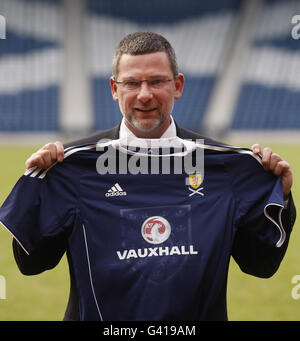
x: 144, y: 42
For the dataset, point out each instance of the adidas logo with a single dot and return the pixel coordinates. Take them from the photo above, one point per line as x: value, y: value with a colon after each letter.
x: 116, y: 190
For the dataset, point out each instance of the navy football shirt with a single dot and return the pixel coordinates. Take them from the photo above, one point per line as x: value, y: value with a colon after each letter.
x: 147, y: 246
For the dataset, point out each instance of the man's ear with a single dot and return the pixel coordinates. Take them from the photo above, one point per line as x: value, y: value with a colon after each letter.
x: 113, y: 87
x: 179, y: 83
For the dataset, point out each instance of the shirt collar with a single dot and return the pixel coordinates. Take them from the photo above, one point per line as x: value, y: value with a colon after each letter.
x: 126, y: 132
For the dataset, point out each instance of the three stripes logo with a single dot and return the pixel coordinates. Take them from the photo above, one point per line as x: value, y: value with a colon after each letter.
x: 115, y: 190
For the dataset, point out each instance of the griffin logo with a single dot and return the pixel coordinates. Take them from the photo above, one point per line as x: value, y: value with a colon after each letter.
x: 156, y: 230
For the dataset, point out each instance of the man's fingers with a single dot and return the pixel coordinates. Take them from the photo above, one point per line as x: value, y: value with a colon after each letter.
x: 266, y: 158
x: 35, y: 160
x: 59, y: 151
x: 40, y: 159
x: 56, y: 150
x: 51, y: 150
x: 283, y: 169
x: 279, y: 168
x: 30, y: 162
x: 269, y: 159
x: 46, y: 156
x: 275, y: 160
x: 256, y: 148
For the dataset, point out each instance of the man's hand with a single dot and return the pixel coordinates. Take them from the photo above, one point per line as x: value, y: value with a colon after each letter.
x: 274, y: 163
x: 46, y: 156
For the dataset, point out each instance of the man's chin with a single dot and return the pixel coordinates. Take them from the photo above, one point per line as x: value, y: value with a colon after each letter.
x: 145, y: 125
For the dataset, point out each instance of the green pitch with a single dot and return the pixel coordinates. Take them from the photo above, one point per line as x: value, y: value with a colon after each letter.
x: 257, y: 299
x: 44, y: 297
x: 41, y: 297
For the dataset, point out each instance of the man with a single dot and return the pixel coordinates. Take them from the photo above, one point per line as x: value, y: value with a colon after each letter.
x: 145, y: 83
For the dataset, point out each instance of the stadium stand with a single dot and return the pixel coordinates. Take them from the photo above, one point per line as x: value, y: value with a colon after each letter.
x: 270, y: 94
x: 30, y: 66
x: 197, y: 30
x: 31, y: 60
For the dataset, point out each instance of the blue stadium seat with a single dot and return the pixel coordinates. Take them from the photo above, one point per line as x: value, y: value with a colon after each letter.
x: 27, y: 102
x: 163, y: 17
x: 267, y: 100
x: 270, y: 100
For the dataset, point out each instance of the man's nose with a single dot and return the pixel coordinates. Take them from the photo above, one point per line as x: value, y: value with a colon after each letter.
x: 144, y: 93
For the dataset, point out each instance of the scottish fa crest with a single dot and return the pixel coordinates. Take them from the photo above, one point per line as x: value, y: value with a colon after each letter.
x: 194, y: 182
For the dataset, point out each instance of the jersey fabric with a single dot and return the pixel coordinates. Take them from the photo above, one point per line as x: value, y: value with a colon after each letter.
x: 147, y: 246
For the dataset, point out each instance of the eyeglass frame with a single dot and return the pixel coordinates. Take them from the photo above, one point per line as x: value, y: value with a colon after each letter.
x: 145, y: 80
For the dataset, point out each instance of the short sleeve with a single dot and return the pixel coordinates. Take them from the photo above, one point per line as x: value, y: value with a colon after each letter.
x: 259, y: 197
x: 39, y: 207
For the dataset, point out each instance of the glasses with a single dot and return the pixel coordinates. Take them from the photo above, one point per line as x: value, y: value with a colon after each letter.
x: 135, y: 84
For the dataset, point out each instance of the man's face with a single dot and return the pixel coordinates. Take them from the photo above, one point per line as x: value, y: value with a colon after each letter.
x: 147, y: 109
